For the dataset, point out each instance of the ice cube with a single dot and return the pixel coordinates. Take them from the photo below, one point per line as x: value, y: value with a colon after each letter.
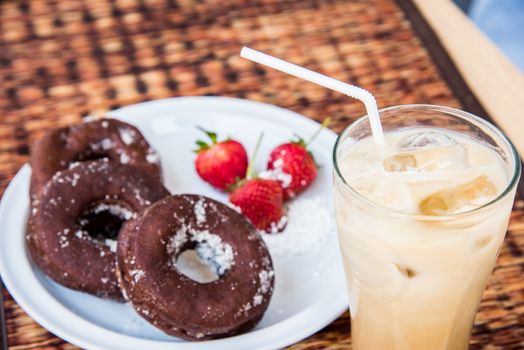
x: 462, y: 198
x: 452, y: 157
x: 427, y: 139
x: 387, y: 193
x: 399, y: 162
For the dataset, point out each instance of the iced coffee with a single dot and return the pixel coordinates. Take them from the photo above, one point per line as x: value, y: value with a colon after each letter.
x: 421, y: 220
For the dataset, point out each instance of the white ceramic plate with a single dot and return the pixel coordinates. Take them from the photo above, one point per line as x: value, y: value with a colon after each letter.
x: 309, y: 291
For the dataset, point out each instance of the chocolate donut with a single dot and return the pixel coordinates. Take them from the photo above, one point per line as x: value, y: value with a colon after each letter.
x: 73, y: 225
x: 104, y: 138
x: 149, y: 246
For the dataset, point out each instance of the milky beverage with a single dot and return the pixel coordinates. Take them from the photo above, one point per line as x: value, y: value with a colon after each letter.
x: 416, y: 270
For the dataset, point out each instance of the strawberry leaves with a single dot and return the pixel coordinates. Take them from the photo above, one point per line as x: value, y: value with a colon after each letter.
x: 203, y: 145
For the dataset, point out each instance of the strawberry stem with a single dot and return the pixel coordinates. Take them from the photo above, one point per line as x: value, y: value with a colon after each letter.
x: 212, y: 135
x: 324, y: 124
x: 249, y: 172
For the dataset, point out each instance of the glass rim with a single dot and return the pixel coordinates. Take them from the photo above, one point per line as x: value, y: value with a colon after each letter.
x: 450, y: 111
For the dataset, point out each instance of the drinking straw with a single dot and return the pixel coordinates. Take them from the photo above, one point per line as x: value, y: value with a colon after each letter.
x: 350, y: 90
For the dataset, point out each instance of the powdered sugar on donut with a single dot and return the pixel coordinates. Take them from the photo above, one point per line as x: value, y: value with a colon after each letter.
x: 200, y: 211
x: 139, y: 198
x: 114, y: 209
x: 105, y: 144
x: 265, y: 287
x: 111, y: 243
x: 127, y: 135
x: 73, y: 179
x: 210, y: 248
x: 137, y: 274
x: 63, y: 238
x: 265, y: 277
x: 152, y: 157
x: 124, y: 158
x: 177, y: 241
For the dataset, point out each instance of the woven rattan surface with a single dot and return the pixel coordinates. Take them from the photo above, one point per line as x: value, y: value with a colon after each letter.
x: 62, y: 60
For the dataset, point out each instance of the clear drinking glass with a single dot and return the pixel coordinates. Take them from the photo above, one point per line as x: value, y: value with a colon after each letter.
x: 415, y: 281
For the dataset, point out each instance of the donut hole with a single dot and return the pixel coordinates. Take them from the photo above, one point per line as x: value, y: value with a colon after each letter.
x: 200, y: 255
x: 104, y: 148
x: 91, y: 155
x: 103, y: 219
x: 189, y: 264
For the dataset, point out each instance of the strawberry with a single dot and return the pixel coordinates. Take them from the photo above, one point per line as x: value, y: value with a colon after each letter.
x: 221, y: 164
x: 293, y: 165
x: 260, y: 200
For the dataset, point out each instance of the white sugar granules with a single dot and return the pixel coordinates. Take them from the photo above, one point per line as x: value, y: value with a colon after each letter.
x: 177, y: 241
x: 264, y: 288
x: 127, y: 135
x: 64, y: 241
x: 277, y: 227
x: 139, y: 197
x: 137, y: 275
x: 152, y: 158
x: 124, y: 158
x: 114, y: 209
x: 309, y: 224
x: 74, y: 165
x: 277, y: 173
x: 63, y: 238
x: 75, y: 179
x: 105, y: 144
x: 213, y: 251
x: 265, y: 285
x: 111, y: 243
x: 209, y: 247
x: 200, y: 211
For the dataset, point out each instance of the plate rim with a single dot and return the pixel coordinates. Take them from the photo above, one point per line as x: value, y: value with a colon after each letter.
x: 336, y: 300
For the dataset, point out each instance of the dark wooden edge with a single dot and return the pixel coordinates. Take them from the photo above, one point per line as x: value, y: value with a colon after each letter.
x: 446, y: 67
x: 3, y: 324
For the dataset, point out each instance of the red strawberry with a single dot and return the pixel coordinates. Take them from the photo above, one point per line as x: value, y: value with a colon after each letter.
x: 221, y: 164
x: 261, y: 201
x: 293, y: 165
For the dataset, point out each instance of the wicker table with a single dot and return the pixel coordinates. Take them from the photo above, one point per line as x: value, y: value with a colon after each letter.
x: 63, y: 60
